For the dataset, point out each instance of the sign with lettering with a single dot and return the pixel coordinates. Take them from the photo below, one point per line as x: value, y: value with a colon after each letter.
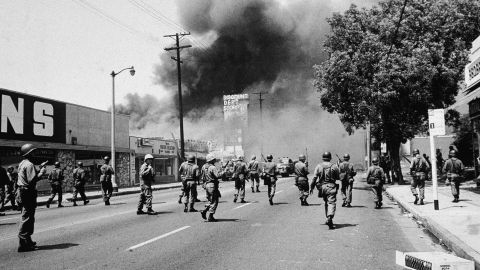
x: 436, y: 121
x: 30, y: 118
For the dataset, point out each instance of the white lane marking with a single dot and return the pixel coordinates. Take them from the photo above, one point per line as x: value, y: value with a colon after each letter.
x: 18, y: 217
x: 157, y: 238
x: 243, y: 205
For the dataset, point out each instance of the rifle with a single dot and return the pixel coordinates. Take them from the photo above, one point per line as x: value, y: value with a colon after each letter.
x: 409, y: 161
x: 264, y: 160
x: 339, y: 160
x: 306, y: 156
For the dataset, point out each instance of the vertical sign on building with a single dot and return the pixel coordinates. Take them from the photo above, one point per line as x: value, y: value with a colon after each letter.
x: 235, y: 115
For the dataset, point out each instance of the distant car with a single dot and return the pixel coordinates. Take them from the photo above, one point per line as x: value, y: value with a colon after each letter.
x: 285, y: 167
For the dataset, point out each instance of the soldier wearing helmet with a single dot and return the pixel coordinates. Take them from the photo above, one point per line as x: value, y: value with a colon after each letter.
x: 325, y: 176
x: 190, y: 174
x: 147, y: 175
x: 12, y: 186
x: 301, y: 179
x: 106, y: 174
x: 240, y: 174
x: 253, y: 171
x: 386, y: 165
x: 269, y: 174
x: 56, y: 179
x: 376, y: 177
x: 454, y: 169
x: 79, y: 180
x: 346, y: 177
x: 27, y: 196
x: 210, y: 177
x: 418, y: 170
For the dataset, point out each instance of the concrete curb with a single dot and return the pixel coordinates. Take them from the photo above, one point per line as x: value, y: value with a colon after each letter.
x: 447, y: 238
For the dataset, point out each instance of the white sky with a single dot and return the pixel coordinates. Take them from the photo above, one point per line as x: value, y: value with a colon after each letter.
x: 66, y: 49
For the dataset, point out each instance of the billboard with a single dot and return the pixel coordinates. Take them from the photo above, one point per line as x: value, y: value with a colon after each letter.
x: 235, y: 115
x: 31, y: 118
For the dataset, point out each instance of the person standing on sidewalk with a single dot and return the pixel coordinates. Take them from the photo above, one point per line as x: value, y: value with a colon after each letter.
x: 454, y: 169
x: 346, y: 177
x: 106, y: 180
x: 210, y: 177
x: 269, y: 175
x: 27, y: 196
x: 147, y: 175
x: 79, y: 180
x: 190, y: 174
x: 386, y: 165
x: 4, y: 180
x: 418, y: 170
x: 12, y: 186
x: 254, y: 176
x: 376, y: 177
x: 56, y: 179
x: 240, y: 174
x: 301, y: 179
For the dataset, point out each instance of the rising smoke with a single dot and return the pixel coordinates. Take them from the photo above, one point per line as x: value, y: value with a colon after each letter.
x: 250, y: 46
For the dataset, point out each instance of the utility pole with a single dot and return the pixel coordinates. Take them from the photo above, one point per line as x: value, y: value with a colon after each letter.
x: 260, y: 99
x: 179, y: 73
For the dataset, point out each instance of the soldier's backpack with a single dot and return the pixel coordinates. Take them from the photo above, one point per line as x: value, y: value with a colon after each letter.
x: 375, y: 175
x: 204, y: 172
x: 54, y: 176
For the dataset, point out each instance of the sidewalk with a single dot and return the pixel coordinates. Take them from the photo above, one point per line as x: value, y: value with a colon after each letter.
x: 457, y: 225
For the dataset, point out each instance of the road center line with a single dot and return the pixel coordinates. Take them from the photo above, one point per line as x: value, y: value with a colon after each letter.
x: 243, y: 205
x: 157, y: 238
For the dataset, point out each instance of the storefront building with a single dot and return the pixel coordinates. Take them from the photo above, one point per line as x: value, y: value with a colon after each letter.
x: 62, y: 132
x: 472, y: 81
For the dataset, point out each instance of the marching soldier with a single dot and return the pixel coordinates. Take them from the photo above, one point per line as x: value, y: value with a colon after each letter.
x: 269, y: 175
x: 346, y: 177
x: 386, y: 165
x: 418, y: 169
x: 454, y: 169
x: 27, y: 196
x: 106, y: 180
x: 301, y: 179
x: 240, y: 174
x: 376, y: 177
x: 253, y: 169
x: 190, y: 174
x: 12, y: 186
x: 4, y: 180
x: 79, y: 180
x: 325, y: 175
x: 210, y: 177
x: 56, y: 179
x: 147, y: 175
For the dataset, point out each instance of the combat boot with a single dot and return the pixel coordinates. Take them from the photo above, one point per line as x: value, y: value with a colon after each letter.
x: 191, y: 209
x: 140, y: 212
x: 180, y: 199
x: 242, y: 201
x: 416, y: 199
x: 348, y: 205
x: 86, y: 202
x: 455, y: 200
x: 24, y: 246
x: 344, y: 204
x: 60, y: 205
x: 48, y: 203
x: 253, y: 190
x: 330, y: 223
x: 211, y: 218
x: 305, y: 203
x: 421, y: 202
x: 235, y: 199
x: 258, y: 190
x: 75, y: 203
x: 185, y: 209
x: 302, y: 203
x: 270, y: 201
x: 204, y: 214
x: 150, y: 211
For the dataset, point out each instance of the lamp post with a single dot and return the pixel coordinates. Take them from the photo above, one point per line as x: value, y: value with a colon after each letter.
x: 112, y: 132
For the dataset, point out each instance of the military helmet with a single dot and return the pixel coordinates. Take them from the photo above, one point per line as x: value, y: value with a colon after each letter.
x: 416, y: 151
x: 191, y: 158
x: 57, y: 164
x: 302, y: 157
x: 269, y: 157
x: 452, y: 153
x: 346, y: 157
x: 254, y: 157
x: 106, y: 158
x: 210, y: 157
x: 240, y: 158
x: 327, y: 156
x: 10, y: 168
x: 375, y: 161
x: 148, y: 156
x: 80, y: 164
x: 26, y: 149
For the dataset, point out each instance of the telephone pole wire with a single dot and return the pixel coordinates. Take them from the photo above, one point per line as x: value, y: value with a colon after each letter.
x: 260, y: 99
x: 179, y: 75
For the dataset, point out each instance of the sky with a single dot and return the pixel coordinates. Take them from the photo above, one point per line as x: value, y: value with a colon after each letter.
x: 66, y: 50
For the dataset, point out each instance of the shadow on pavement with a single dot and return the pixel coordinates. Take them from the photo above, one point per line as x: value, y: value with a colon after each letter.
x: 227, y: 219
x: 357, y: 206
x: 345, y: 225
x: 278, y: 203
x: 57, y: 246
x: 10, y: 223
x: 314, y: 204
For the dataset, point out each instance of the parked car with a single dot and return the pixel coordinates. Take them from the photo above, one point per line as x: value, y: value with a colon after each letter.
x: 285, y: 166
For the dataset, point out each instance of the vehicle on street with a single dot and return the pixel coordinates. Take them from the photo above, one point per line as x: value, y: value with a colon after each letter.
x: 285, y: 166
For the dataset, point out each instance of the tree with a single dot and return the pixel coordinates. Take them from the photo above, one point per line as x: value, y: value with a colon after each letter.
x: 465, y: 135
x: 389, y: 64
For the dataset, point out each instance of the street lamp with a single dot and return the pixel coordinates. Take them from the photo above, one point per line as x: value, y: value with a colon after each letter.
x: 113, y: 74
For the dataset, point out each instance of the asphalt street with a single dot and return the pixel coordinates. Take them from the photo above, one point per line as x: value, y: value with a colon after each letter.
x: 253, y: 235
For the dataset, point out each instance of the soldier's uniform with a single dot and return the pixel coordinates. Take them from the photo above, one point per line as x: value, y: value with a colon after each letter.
x: 190, y: 174
x: 254, y: 175
x: 376, y: 177
x: 419, y: 170
x: 4, y: 180
x: 27, y: 197
x: 79, y: 180
x: 346, y: 177
x: 12, y: 186
x: 454, y: 168
x: 240, y: 173
x: 106, y: 181
x: 301, y: 181
x: 386, y: 165
x: 147, y: 175
x: 325, y: 176
x: 270, y: 177
x: 210, y: 177
x: 56, y: 179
